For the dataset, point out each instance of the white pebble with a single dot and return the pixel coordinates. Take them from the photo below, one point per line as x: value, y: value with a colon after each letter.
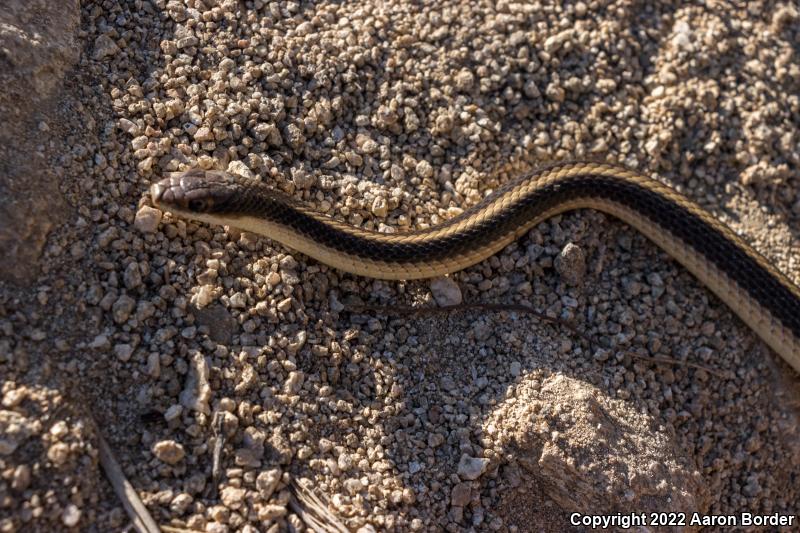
x: 71, y: 515
x: 380, y: 207
x: 239, y: 168
x: 197, y: 392
x: 232, y: 497
x: 424, y: 169
x: 169, y: 451
x: 571, y: 264
x: 267, y: 482
x: 239, y: 300
x: 203, y: 134
x: 147, y: 219
x: 100, y: 342
x: 204, y: 296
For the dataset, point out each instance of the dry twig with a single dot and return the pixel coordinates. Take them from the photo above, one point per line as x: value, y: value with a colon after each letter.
x: 313, y: 511
x: 671, y: 361
x: 138, y: 513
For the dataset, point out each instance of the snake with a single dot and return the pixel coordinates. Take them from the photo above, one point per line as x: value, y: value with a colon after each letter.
x: 755, y: 290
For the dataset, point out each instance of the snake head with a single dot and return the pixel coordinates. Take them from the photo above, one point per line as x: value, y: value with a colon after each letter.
x: 195, y: 192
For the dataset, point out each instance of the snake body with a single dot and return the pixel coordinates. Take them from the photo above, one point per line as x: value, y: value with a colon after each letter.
x: 765, y: 299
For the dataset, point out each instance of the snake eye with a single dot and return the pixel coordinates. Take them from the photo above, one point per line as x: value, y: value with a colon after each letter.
x: 198, y: 206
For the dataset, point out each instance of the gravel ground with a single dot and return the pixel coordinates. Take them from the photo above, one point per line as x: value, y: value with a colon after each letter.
x: 175, y: 336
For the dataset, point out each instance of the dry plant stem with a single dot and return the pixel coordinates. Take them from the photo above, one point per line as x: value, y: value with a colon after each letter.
x: 219, y: 443
x: 422, y: 311
x: 140, y: 517
x: 671, y: 361
x: 490, y: 307
x: 313, y: 511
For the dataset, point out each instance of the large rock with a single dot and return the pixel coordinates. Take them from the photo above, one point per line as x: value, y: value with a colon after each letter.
x: 37, y: 46
x: 587, y: 453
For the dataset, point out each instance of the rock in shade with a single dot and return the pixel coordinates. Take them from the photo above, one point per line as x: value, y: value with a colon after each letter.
x: 123, y: 351
x: 460, y: 494
x: 471, y: 468
x: 122, y: 308
x: 132, y: 276
x: 446, y: 291
x: 104, y: 46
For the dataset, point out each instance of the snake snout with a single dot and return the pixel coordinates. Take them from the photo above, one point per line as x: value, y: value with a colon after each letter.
x: 157, y: 192
x: 165, y: 192
x: 195, y: 191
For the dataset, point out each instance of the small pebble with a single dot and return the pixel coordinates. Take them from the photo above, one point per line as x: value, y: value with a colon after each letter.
x: 240, y: 169
x: 122, y: 308
x: 21, y: 479
x: 380, y: 207
x: 232, y: 497
x: 471, y: 468
x: 147, y: 219
x: 71, y: 515
x: 446, y: 291
x: 267, y: 481
x: 173, y: 413
x: 132, y: 276
x: 104, y: 46
x: 461, y: 494
x: 100, y: 342
x: 153, y: 365
x: 294, y: 382
x: 169, y: 451
x: 571, y: 264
